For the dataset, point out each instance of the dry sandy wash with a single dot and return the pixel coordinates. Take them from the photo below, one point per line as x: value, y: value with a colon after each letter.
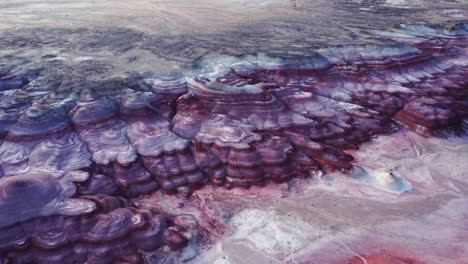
x: 233, y: 131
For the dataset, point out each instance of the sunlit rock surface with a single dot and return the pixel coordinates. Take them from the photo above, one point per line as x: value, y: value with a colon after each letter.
x: 338, y: 154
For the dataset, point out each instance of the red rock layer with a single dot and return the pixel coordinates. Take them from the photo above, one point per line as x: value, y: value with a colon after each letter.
x: 70, y: 163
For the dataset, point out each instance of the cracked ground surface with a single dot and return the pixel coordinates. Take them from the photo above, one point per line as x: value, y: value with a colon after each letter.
x: 337, y: 135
